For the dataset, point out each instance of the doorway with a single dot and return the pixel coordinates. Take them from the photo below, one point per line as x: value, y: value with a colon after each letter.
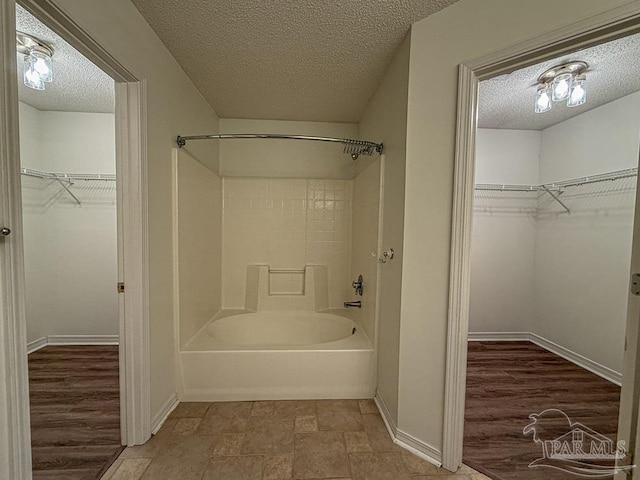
x: 566, y: 42
x: 67, y: 145
x: 133, y: 350
x: 550, y: 253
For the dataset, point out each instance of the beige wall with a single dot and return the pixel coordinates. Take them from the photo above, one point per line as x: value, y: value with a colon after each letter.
x: 286, y: 224
x: 198, y: 208
x: 174, y: 107
x: 385, y: 120
x: 364, y: 244
x: 466, y: 30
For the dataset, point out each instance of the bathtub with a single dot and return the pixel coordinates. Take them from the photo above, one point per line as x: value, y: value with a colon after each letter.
x: 272, y: 355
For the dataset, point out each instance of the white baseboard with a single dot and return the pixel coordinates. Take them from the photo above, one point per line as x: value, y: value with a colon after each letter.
x: 36, y: 344
x: 402, y: 439
x: 419, y: 448
x: 82, y: 340
x: 576, y: 358
x: 72, y: 340
x: 499, y: 337
x: 159, y: 418
x: 573, y: 357
x: 385, y: 414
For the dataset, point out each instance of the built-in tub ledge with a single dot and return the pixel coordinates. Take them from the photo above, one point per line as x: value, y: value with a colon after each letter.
x: 243, y: 330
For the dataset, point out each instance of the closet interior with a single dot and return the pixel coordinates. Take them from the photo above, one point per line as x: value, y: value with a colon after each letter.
x: 69, y: 205
x: 553, y: 215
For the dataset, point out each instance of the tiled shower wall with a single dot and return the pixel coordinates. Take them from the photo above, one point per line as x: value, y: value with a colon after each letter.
x: 285, y: 223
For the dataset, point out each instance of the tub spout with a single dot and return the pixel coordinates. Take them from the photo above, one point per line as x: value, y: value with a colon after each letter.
x: 357, y: 304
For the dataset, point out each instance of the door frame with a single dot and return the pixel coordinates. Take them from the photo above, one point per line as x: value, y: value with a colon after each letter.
x: 133, y: 245
x: 616, y: 23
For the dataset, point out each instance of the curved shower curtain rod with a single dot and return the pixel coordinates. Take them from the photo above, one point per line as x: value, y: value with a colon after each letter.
x: 351, y: 146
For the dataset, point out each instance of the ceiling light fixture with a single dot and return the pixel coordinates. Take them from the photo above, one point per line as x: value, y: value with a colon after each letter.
x: 562, y: 83
x: 37, y: 64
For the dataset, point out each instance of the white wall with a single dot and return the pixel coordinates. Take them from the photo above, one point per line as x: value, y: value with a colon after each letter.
x: 503, y: 239
x: 198, y: 209
x: 466, y: 30
x: 174, y: 107
x: 582, y: 259
x: 364, y: 244
x: 385, y: 120
x: 287, y: 224
x: 30, y: 144
x: 507, y: 156
x: 70, y: 249
x: 600, y: 140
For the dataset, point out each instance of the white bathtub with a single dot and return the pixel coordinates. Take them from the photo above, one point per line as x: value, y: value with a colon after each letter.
x: 272, y: 355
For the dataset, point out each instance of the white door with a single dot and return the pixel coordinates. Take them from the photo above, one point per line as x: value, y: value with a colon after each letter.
x: 630, y: 397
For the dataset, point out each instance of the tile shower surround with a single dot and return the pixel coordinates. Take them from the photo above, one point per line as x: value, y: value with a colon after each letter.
x: 286, y: 224
x: 329, y: 439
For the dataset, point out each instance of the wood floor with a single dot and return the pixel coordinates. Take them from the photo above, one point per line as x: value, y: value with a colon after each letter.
x: 75, y: 411
x: 507, y: 382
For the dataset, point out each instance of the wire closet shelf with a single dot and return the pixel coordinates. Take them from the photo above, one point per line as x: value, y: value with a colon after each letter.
x: 351, y: 146
x: 67, y: 180
x: 108, y: 177
x: 556, y: 189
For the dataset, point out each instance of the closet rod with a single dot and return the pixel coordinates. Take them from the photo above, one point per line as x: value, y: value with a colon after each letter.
x: 29, y: 172
x: 556, y: 189
x: 573, y: 182
x: 507, y: 187
x: 351, y: 146
x: 601, y: 177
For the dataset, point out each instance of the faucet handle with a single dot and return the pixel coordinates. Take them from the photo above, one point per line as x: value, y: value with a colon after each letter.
x: 387, y: 255
x: 357, y: 285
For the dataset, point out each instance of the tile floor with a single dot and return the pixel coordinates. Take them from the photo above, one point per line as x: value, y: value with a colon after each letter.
x: 271, y: 440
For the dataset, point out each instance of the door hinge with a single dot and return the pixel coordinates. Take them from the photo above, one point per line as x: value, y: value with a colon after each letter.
x: 635, y: 284
x: 120, y: 287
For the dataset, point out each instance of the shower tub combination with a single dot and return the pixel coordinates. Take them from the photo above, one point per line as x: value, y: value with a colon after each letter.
x: 283, y: 346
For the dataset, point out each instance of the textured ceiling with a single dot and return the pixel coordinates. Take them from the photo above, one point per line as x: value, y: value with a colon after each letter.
x: 507, y: 101
x: 78, y: 85
x: 312, y: 60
